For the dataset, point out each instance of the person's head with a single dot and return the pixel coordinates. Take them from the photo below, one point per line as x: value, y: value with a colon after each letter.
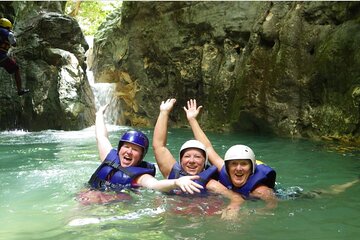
x: 240, y: 163
x: 193, y: 157
x: 5, y: 23
x: 132, y: 148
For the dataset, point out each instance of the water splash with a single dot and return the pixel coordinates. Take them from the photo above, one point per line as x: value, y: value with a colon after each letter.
x: 129, y: 216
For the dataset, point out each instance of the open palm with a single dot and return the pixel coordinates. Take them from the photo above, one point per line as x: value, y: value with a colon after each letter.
x: 167, y: 105
x: 192, y: 110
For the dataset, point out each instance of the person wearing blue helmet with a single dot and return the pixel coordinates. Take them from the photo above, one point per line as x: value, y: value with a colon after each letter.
x: 192, y: 162
x: 124, y: 167
x: 7, y: 39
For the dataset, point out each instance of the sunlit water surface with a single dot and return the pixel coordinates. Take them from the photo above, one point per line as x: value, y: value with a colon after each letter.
x: 41, y: 174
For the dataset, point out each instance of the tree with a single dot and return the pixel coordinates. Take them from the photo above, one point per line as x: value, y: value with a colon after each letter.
x: 90, y: 14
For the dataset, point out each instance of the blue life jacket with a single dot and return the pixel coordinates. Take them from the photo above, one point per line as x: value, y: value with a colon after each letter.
x: 205, y: 176
x: 111, y: 175
x: 4, y: 41
x: 263, y: 175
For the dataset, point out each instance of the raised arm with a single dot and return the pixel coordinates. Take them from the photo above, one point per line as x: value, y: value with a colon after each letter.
x: 186, y: 184
x: 163, y: 156
x: 191, y: 113
x: 102, y: 139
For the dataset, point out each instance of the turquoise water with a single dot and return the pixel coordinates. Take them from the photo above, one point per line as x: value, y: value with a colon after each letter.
x: 41, y: 174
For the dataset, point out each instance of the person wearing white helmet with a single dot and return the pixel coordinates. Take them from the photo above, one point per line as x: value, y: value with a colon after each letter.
x: 192, y: 161
x: 238, y: 171
x: 7, y: 39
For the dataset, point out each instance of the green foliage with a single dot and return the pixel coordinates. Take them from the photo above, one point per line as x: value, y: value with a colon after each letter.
x: 90, y: 14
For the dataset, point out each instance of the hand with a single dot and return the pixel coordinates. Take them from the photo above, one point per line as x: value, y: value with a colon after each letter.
x: 10, y: 53
x: 229, y: 214
x: 102, y: 109
x: 167, y: 105
x: 186, y: 184
x: 192, y: 111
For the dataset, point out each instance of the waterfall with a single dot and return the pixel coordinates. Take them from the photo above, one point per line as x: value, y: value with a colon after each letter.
x: 104, y: 93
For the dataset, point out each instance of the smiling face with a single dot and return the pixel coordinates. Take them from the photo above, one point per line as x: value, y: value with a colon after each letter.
x: 239, y: 171
x: 193, y: 161
x: 130, y: 154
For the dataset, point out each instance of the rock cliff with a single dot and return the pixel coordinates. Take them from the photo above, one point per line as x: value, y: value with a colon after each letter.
x: 51, y: 54
x: 287, y: 68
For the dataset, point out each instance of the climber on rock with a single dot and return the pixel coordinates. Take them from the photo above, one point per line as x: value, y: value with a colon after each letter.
x: 7, y: 39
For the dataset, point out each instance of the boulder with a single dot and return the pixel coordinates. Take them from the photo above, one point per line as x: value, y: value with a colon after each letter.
x: 51, y: 54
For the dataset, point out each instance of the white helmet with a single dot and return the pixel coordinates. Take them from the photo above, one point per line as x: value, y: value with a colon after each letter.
x: 193, y: 144
x: 238, y: 152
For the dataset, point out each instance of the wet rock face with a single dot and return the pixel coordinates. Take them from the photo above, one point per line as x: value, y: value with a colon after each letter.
x: 51, y: 54
x: 289, y: 68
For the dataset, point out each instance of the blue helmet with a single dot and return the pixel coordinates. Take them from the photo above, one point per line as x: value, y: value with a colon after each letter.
x: 137, y: 138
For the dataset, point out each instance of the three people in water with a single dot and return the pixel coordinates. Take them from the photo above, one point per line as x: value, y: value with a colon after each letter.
x: 124, y: 168
x: 200, y: 169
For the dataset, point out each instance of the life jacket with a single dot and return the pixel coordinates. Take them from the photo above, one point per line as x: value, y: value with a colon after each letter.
x: 205, y: 176
x: 4, y: 40
x: 111, y: 175
x: 263, y: 175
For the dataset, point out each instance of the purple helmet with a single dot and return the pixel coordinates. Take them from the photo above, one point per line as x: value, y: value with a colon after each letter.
x: 137, y: 138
